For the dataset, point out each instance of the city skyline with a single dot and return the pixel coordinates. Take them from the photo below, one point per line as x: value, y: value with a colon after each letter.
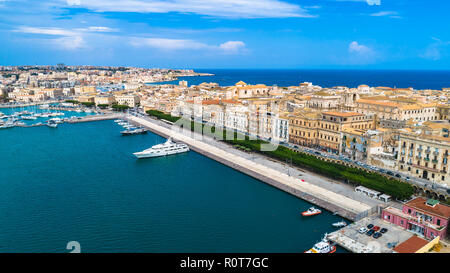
x: 309, y: 34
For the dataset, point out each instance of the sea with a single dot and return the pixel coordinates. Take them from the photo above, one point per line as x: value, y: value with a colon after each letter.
x: 80, y: 182
x: 417, y: 79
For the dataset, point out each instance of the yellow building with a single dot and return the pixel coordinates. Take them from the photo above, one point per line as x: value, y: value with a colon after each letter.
x: 323, y: 129
x: 424, y: 152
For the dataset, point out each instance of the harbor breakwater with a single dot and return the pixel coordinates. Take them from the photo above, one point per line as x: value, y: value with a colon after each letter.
x: 337, y: 203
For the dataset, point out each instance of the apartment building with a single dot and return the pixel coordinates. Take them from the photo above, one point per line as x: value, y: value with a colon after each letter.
x: 130, y: 100
x: 424, y: 152
x: 323, y: 129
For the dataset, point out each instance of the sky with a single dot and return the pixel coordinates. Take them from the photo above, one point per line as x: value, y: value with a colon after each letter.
x: 292, y: 34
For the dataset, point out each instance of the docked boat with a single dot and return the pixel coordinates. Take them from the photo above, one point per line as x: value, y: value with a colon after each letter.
x: 311, y: 211
x: 7, y: 125
x: 339, y: 224
x: 324, y: 246
x: 52, y: 124
x: 167, y: 148
x: 134, y: 132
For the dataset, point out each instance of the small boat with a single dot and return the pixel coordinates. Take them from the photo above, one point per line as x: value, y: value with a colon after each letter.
x: 52, y: 124
x: 339, y: 224
x: 134, y: 132
x: 324, y: 246
x: 311, y: 211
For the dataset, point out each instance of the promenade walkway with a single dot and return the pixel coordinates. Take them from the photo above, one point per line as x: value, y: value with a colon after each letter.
x: 325, y: 198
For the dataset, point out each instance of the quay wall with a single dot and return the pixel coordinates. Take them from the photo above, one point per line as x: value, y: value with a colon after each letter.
x: 339, y: 204
x: 96, y: 118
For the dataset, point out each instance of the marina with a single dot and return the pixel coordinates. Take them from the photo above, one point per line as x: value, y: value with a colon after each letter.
x: 165, y: 186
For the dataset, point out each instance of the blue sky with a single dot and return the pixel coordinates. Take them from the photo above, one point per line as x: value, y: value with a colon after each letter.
x: 353, y: 34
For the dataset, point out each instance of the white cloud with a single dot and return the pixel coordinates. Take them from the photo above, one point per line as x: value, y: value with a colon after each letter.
x: 46, y: 31
x: 232, y: 46
x: 68, y: 39
x: 217, y: 8
x: 435, y: 50
x: 355, y: 47
x: 384, y: 13
x: 70, y: 42
x: 165, y: 44
x: 73, y: 2
x: 369, y: 2
x: 168, y: 44
x: 97, y: 29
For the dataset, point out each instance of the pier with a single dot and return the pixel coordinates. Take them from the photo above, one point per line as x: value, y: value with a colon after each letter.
x: 334, y: 202
x: 95, y: 118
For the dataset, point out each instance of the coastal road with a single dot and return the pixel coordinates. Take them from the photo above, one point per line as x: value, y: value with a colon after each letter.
x: 339, y: 200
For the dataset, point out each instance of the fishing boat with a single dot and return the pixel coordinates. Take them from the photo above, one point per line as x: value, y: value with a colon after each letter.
x: 311, y: 211
x: 339, y: 224
x: 324, y: 246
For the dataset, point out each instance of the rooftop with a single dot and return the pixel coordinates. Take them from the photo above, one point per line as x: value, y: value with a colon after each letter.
x: 412, y: 245
x: 439, y: 209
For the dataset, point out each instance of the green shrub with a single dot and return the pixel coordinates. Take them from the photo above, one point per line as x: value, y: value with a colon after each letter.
x: 375, y: 181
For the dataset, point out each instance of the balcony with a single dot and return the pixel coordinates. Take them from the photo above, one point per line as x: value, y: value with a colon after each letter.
x: 434, y: 161
x: 427, y: 159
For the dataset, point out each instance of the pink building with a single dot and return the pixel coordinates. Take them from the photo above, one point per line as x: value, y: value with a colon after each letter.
x: 427, y: 218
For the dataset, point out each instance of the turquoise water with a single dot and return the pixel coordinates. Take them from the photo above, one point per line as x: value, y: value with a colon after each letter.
x: 80, y: 182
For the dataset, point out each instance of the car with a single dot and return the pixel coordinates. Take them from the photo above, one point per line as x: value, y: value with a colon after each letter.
x: 370, y: 232
x: 317, y: 153
x: 398, y: 175
x: 369, y: 226
x: 384, y: 230
x: 377, y: 235
x: 376, y: 228
x: 407, y: 178
x: 390, y: 173
x: 362, y: 230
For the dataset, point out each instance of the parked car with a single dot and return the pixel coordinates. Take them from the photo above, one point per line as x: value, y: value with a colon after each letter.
x: 370, y: 232
x: 369, y: 226
x: 407, y: 178
x: 362, y: 230
x: 390, y: 173
x: 377, y: 235
x: 376, y: 228
x: 398, y: 175
x: 384, y: 230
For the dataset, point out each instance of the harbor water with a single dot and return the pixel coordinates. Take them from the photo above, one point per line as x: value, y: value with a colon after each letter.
x: 80, y: 182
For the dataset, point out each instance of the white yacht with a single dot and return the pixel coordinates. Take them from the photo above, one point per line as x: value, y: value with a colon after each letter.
x: 167, y: 148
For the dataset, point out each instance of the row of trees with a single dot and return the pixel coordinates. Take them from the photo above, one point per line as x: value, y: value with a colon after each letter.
x: 115, y: 106
x: 352, y: 175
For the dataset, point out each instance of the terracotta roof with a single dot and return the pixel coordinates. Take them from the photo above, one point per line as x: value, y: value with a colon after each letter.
x: 211, y: 102
x: 440, y: 209
x: 412, y: 245
x: 343, y: 114
x: 383, y: 103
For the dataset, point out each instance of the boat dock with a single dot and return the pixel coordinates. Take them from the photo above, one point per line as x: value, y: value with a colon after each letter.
x: 324, y: 198
x: 95, y: 118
